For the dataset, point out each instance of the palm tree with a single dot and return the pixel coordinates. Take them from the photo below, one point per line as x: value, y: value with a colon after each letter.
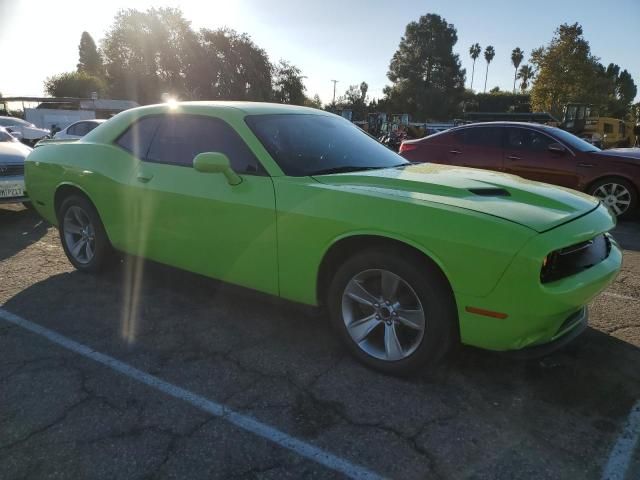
x: 516, y: 58
x: 475, y: 52
x: 525, y: 74
x: 489, y: 53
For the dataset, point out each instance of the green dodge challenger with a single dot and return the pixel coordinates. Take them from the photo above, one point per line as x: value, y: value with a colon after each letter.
x: 408, y: 259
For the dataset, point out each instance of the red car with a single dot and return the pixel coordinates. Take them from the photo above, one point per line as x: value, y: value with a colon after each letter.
x: 537, y: 152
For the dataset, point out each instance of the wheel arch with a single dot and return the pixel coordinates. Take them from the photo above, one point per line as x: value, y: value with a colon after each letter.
x: 613, y: 177
x: 64, y: 190
x: 344, y: 246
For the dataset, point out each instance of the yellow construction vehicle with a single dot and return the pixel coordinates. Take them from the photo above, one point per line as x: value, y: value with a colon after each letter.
x: 584, y: 120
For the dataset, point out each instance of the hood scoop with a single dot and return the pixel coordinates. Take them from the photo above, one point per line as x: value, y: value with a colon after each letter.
x: 490, y: 192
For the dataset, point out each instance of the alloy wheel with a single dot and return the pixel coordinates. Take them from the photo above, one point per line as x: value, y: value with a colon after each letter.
x: 79, y: 234
x: 383, y: 314
x: 615, y: 196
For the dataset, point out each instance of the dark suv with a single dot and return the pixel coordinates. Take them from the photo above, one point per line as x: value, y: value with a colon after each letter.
x: 537, y: 152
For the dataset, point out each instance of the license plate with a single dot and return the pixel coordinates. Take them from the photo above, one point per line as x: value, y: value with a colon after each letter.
x: 11, y: 189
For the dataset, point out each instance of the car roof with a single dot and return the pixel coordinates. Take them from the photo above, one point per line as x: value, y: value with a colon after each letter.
x: 94, y: 120
x: 249, y: 108
x: 507, y: 124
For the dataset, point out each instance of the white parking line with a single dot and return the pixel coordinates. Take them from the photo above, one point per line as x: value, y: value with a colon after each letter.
x: 622, y: 297
x: 620, y: 456
x: 245, y: 422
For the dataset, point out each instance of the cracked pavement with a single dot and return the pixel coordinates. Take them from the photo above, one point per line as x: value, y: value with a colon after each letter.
x: 478, y: 416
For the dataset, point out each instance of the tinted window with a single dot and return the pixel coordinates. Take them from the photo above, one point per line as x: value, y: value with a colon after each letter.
x: 571, y: 140
x: 79, y: 129
x: 525, y: 139
x: 309, y: 144
x: 137, y: 138
x: 5, y: 137
x: 181, y: 137
x: 480, y: 136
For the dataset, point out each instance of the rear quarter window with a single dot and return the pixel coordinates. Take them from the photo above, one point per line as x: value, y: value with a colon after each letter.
x: 137, y: 138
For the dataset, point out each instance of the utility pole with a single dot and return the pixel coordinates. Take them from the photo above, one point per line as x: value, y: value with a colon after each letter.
x: 334, y: 91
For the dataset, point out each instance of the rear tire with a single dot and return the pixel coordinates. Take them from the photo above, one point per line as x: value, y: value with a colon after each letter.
x: 82, y: 234
x: 617, y: 194
x: 393, y: 310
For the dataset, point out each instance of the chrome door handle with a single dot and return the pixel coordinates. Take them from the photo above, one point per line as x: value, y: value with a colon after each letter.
x: 587, y: 165
x: 513, y: 157
x: 144, y: 178
x: 456, y: 152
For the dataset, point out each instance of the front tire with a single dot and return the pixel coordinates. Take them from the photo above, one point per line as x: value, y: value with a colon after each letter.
x: 394, y: 310
x: 82, y: 234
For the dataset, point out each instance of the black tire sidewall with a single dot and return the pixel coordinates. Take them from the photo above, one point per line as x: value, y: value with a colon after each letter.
x: 102, y: 244
x: 433, y: 292
x: 633, y: 206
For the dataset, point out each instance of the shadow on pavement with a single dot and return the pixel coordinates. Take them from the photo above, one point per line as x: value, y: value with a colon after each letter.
x: 478, y: 414
x: 627, y: 233
x: 31, y: 228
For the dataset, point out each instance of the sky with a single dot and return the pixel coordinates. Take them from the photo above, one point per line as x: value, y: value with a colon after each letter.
x: 347, y: 40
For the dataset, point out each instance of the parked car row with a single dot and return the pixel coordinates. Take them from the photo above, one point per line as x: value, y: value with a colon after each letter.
x: 537, y: 152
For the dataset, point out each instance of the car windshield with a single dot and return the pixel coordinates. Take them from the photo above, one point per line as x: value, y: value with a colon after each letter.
x: 574, y: 142
x: 5, y: 137
x: 309, y: 144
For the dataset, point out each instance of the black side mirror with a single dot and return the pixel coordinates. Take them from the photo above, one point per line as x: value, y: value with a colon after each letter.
x: 556, y: 148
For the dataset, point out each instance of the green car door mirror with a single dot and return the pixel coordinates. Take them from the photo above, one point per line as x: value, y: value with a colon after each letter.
x: 216, y: 162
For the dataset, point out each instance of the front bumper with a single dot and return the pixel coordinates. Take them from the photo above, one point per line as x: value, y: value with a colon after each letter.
x: 572, y: 328
x: 536, y: 312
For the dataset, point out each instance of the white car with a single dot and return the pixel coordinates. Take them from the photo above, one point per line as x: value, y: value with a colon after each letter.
x: 27, y: 131
x: 12, y: 155
x: 78, y: 129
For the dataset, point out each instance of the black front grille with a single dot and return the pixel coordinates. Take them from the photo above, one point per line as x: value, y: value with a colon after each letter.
x: 11, y: 170
x: 575, y: 258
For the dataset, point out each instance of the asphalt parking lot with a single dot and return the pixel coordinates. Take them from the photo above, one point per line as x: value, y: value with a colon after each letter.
x: 479, y: 416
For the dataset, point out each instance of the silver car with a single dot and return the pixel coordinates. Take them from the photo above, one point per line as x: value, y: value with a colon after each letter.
x: 12, y: 155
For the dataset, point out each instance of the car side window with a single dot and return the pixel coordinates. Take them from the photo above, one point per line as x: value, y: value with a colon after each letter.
x: 526, y: 139
x: 180, y: 138
x: 480, y: 136
x: 137, y: 138
x: 79, y: 129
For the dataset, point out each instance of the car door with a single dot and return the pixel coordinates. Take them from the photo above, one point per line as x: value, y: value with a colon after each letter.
x: 527, y: 154
x: 198, y: 221
x: 478, y: 147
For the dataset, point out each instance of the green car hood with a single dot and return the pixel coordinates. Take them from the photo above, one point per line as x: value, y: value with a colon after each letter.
x: 538, y: 206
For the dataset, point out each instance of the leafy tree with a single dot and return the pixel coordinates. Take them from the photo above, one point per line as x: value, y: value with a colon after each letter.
x: 356, y: 100
x: 622, y: 91
x: 525, y: 74
x: 314, y: 102
x: 428, y: 81
x: 287, y: 84
x: 495, y: 90
x: 229, y: 66
x: 74, y: 84
x: 474, y: 52
x: 567, y: 72
x: 489, y: 53
x: 149, y: 53
x: 517, y: 55
x: 89, y: 60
